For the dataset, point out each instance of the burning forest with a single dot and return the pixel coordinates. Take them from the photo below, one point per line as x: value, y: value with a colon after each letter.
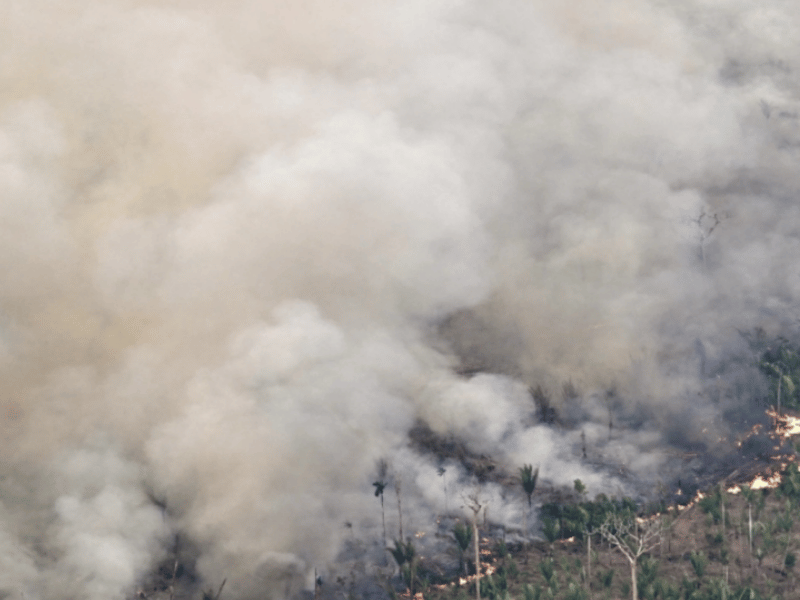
x: 288, y: 284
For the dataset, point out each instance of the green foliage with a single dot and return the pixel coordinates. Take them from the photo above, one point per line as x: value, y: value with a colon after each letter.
x: 711, y: 504
x: 665, y: 591
x: 577, y: 519
x: 625, y: 589
x: 759, y: 553
x: 500, y: 579
x: 715, y: 538
x: 532, y: 593
x: 606, y: 578
x: 548, y: 570
x: 550, y: 529
x: 648, y: 572
x: 494, y: 587
x: 552, y: 589
x: 688, y: 587
x: 628, y: 505
x: 755, y: 498
x: 747, y: 593
x: 403, y: 552
x: 785, y: 521
x: 463, y: 535
x: 781, y: 365
x: 769, y: 540
x: 566, y: 564
x: 790, y: 483
x: 503, y: 575
x: 512, y: 569
x: 405, y: 555
x: 564, y: 575
x: 699, y: 562
x: 575, y: 592
x: 717, y: 589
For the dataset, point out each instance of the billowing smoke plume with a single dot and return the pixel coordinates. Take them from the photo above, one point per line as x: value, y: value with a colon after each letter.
x: 248, y: 246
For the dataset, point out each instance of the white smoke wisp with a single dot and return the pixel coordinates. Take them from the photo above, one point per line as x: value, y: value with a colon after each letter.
x: 246, y: 246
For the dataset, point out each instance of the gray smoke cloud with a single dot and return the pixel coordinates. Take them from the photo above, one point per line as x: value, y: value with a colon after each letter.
x: 246, y: 246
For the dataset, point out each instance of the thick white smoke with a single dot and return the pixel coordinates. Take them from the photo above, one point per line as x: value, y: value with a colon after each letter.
x: 247, y: 245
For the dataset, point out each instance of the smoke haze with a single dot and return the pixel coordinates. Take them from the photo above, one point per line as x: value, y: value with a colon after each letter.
x: 247, y: 246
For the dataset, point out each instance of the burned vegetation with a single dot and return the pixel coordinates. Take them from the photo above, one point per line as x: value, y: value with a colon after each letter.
x: 727, y: 529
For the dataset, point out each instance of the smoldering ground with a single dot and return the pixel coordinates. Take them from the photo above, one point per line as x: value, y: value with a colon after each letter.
x: 247, y: 246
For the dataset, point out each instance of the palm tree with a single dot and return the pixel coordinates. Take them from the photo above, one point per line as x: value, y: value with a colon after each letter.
x: 405, y: 555
x: 528, y: 477
x: 463, y: 535
x: 399, y: 505
x: 441, y: 471
x: 379, y: 487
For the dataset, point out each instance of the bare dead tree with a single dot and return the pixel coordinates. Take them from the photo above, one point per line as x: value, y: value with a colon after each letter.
x: 706, y: 224
x: 633, y: 538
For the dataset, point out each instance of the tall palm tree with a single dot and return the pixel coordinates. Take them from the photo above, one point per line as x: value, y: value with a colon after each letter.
x: 397, y: 483
x: 441, y: 471
x: 379, y: 487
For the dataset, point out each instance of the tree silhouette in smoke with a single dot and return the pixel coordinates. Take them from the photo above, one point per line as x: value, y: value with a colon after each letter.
x: 380, y: 486
x: 528, y: 478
